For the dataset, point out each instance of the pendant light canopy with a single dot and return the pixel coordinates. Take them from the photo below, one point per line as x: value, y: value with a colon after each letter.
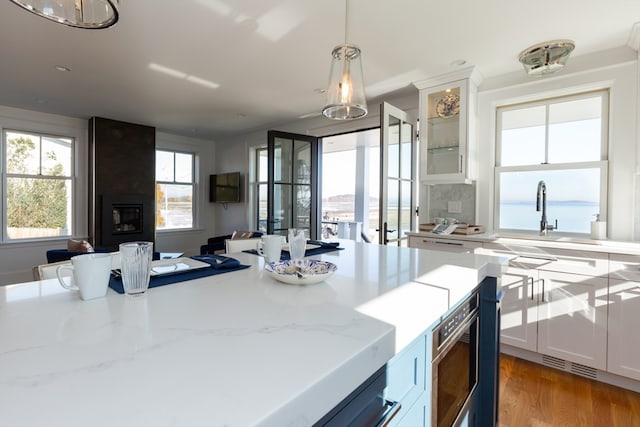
x: 92, y: 14
x: 345, y: 94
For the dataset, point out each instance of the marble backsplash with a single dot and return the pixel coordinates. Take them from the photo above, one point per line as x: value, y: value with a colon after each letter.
x: 441, y: 194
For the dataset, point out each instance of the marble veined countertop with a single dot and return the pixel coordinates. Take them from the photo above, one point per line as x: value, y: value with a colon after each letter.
x: 235, y: 349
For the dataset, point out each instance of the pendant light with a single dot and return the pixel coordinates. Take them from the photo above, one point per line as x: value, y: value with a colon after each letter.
x: 345, y: 94
x: 91, y: 14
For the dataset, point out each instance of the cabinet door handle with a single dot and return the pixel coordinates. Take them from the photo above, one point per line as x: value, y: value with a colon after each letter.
x: 392, y: 410
x: 531, y: 279
x: 542, y: 280
x: 460, y: 169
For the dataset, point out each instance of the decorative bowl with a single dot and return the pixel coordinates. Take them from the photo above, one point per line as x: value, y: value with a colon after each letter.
x: 301, y: 271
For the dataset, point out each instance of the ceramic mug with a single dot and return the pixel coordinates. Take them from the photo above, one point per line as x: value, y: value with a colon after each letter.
x: 270, y: 247
x: 90, y: 274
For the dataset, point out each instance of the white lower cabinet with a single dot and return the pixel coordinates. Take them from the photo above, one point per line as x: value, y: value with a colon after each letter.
x: 549, y: 308
x: 572, y: 318
x: 519, y: 319
x: 624, y: 328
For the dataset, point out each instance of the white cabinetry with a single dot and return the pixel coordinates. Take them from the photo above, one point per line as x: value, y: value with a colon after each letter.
x: 572, y: 318
x: 555, y: 302
x: 624, y: 316
x: 447, y: 127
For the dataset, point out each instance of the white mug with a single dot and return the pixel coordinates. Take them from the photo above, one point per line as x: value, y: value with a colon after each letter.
x: 90, y: 274
x: 270, y: 247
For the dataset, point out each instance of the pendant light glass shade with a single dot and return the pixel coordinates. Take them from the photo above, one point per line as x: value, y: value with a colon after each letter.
x: 345, y: 95
x: 92, y: 14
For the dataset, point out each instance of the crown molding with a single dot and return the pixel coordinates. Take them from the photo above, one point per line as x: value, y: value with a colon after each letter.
x: 634, y: 37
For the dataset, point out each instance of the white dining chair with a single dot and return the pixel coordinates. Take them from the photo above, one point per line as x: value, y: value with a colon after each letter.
x: 239, y: 245
x: 47, y: 271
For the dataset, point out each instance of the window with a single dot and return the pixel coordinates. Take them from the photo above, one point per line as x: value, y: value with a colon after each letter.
x: 560, y: 141
x: 38, y: 185
x: 174, y: 190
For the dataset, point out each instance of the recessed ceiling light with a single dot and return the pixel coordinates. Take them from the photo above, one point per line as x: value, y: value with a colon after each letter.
x: 318, y: 90
x: 458, y: 63
x: 62, y: 68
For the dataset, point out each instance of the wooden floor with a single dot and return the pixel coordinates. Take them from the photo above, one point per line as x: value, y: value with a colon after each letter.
x: 539, y: 396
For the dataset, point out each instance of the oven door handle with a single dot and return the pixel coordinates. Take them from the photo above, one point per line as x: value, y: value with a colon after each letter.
x: 392, y: 410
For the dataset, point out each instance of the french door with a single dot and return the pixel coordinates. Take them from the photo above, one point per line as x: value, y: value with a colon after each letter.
x: 292, y: 194
x: 397, y: 175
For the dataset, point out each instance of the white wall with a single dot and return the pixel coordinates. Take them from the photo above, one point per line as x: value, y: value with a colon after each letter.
x: 17, y: 258
x: 616, y: 70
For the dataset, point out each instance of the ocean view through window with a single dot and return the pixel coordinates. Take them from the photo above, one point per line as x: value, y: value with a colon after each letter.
x: 561, y: 141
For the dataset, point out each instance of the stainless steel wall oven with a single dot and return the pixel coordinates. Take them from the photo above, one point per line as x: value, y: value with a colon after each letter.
x: 454, y: 364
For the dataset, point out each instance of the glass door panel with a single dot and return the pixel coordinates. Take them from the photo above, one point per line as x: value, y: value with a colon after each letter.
x: 292, y: 195
x: 397, y: 175
x: 443, y: 131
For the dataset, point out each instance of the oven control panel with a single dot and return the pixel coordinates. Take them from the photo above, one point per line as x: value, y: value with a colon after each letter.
x: 452, y: 322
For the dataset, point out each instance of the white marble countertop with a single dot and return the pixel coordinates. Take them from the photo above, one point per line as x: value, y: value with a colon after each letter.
x: 235, y: 349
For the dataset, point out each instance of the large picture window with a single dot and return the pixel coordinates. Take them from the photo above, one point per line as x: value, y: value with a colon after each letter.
x: 174, y: 190
x: 562, y: 142
x: 38, y: 185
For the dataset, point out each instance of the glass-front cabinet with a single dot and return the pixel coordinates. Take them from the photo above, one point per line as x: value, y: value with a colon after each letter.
x: 447, y: 118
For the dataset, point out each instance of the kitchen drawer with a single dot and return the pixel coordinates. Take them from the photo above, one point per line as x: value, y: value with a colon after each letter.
x: 570, y: 261
x: 577, y: 262
x: 445, y: 244
x: 625, y: 267
x: 406, y: 374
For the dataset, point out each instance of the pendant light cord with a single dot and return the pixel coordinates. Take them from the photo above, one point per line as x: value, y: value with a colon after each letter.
x: 346, y: 21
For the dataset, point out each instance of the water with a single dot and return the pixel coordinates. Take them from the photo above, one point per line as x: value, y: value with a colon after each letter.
x: 572, y: 216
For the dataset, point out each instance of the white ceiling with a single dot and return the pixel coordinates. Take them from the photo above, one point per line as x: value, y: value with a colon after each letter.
x: 270, y: 58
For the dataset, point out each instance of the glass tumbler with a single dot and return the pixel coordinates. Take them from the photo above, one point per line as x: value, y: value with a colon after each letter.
x: 135, y: 264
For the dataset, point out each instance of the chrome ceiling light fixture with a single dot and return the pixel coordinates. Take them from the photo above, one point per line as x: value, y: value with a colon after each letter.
x: 91, y: 14
x: 345, y: 94
x: 546, y: 58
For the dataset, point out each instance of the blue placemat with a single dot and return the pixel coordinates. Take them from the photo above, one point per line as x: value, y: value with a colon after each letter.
x: 219, y: 264
x: 324, y: 248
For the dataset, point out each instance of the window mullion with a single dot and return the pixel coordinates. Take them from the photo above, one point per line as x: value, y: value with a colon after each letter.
x: 546, y: 135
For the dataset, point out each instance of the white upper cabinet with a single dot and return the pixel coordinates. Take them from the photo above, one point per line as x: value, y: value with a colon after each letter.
x: 447, y: 127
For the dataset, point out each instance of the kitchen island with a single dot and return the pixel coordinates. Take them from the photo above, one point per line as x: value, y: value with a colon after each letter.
x: 235, y: 349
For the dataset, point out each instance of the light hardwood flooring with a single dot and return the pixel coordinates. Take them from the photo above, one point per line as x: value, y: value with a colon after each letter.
x: 532, y: 395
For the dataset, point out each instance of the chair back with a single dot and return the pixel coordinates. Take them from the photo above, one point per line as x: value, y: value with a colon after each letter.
x: 239, y: 245
x: 47, y: 271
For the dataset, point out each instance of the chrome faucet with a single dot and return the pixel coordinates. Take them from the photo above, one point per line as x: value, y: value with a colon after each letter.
x: 542, y: 194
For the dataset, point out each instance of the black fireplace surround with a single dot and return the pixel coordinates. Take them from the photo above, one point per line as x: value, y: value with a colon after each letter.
x: 122, y: 159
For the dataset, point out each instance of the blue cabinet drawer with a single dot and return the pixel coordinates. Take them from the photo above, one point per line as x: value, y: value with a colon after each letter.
x: 406, y: 374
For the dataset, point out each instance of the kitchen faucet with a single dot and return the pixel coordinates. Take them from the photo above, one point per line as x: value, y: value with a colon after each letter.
x: 542, y: 194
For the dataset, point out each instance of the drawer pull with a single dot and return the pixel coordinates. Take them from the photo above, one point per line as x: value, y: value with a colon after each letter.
x: 393, y: 408
x: 437, y: 242
x: 531, y: 279
x: 542, y: 257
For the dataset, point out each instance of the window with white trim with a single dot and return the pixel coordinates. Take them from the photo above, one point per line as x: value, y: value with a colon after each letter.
x: 562, y: 142
x: 37, y: 185
x: 174, y: 190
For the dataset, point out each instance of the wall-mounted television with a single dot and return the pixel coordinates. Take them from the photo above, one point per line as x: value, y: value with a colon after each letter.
x: 224, y: 187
